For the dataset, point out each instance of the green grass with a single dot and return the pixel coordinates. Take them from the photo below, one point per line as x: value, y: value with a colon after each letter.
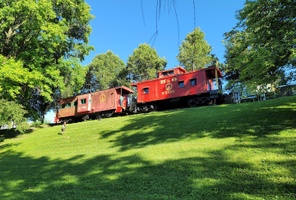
x: 242, y: 151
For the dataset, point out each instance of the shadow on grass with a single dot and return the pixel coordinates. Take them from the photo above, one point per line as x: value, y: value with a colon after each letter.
x: 257, y: 120
x: 12, y: 133
x: 210, y: 177
x: 215, y: 175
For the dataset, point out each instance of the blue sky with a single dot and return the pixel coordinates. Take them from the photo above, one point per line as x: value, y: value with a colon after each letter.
x: 121, y: 25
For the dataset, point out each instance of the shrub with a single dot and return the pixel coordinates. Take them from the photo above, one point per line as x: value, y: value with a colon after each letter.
x: 1, y: 138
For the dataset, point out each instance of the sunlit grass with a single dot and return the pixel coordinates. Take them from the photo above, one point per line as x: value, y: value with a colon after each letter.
x: 243, y: 151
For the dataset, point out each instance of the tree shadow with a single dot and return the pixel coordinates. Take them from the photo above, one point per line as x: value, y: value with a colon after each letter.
x: 213, y: 176
x: 13, y: 132
x: 240, y: 121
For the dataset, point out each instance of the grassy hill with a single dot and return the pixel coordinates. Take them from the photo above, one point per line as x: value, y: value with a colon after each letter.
x: 242, y: 151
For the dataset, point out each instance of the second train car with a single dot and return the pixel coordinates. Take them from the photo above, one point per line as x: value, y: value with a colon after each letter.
x: 99, y: 104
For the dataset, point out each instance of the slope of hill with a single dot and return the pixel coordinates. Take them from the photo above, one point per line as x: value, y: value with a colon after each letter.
x: 242, y: 151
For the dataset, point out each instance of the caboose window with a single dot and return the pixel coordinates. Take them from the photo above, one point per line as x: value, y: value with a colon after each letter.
x: 193, y: 81
x: 146, y: 90
x: 83, y: 101
x: 181, y: 84
x: 168, y: 73
x: 75, y: 103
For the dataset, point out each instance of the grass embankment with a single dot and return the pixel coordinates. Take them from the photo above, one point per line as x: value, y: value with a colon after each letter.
x: 242, y: 151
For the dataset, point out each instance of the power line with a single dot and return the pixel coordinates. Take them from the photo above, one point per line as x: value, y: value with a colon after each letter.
x: 143, y: 16
x: 193, y: 1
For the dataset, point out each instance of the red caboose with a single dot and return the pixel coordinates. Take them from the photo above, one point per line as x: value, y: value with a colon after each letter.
x: 176, y: 85
x: 94, y: 105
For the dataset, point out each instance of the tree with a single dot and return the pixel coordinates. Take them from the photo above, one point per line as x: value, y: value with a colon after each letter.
x: 262, y: 45
x: 105, y: 71
x: 73, y: 77
x: 194, y: 53
x: 38, y: 37
x: 144, y: 63
x: 12, y: 113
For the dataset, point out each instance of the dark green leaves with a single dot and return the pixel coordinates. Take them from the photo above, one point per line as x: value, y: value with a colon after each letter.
x: 262, y: 45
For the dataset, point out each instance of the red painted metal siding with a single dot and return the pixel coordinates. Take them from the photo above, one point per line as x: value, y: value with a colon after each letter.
x: 111, y: 99
x: 174, y: 86
x: 104, y: 100
x: 67, y: 107
x: 84, y: 103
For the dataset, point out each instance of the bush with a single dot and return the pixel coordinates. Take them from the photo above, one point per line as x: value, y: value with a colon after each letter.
x: 2, y: 138
x: 11, y: 111
x: 23, y: 127
x: 36, y: 124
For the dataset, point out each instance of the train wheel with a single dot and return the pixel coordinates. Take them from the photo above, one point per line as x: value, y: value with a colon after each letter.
x: 196, y: 102
x: 109, y: 114
x: 99, y: 117
x: 153, y: 107
x: 193, y: 102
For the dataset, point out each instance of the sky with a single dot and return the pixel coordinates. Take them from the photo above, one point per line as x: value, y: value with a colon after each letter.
x: 122, y: 25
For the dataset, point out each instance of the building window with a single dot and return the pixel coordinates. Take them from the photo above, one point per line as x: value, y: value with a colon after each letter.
x: 83, y: 101
x: 193, y: 81
x: 181, y: 84
x: 146, y: 90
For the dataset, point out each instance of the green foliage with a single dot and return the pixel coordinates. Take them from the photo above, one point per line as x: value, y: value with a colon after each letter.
x: 105, y: 71
x: 12, y: 114
x: 23, y: 127
x: 144, y: 63
x: 242, y: 151
x: 262, y: 45
x: 2, y: 138
x: 35, y: 38
x: 194, y: 53
x: 13, y: 75
x: 73, y: 74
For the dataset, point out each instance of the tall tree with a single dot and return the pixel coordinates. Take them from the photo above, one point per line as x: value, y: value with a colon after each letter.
x: 105, y: 71
x: 38, y: 37
x: 144, y: 63
x: 262, y: 45
x: 194, y: 53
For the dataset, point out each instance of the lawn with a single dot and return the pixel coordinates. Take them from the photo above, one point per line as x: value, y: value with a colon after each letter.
x: 238, y: 151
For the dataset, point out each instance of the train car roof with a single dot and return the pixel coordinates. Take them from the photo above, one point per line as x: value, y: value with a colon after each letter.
x: 183, y: 71
x: 125, y: 88
x: 70, y: 99
x: 67, y: 99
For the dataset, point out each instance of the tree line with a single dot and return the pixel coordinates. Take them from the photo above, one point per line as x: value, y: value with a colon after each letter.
x: 43, y: 43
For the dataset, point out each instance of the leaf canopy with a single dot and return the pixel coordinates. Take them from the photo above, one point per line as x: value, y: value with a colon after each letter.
x: 144, y: 63
x: 105, y: 71
x: 194, y: 53
x: 262, y: 45
x: 37, y: 40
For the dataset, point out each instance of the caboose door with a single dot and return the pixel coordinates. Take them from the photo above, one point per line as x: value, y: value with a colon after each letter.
x: 84, y: 103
